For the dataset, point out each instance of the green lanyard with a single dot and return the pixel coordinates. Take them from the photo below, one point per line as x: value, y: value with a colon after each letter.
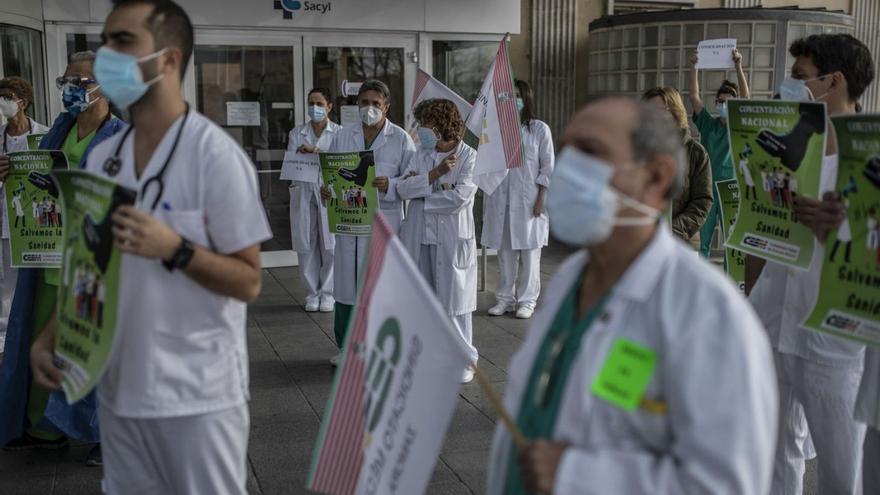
x: 550, y: 370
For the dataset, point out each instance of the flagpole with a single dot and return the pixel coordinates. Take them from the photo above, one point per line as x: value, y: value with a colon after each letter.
x: 518, y: 438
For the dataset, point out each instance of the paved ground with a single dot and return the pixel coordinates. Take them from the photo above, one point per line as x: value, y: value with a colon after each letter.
x: 290, y: 383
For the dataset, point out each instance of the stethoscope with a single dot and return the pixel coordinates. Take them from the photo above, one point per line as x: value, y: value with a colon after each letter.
x: 6, y: 134
x: 113, y: 165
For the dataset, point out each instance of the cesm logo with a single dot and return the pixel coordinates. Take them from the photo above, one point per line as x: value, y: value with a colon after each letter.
x: 288, y: 7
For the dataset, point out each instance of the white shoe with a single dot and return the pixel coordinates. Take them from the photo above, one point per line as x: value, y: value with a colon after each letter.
x: 327, y: 306
x: 524, y: 313
x: 311, y: 307
x: 468, y: 375
x: 334, y: 361
x: 499, y: 309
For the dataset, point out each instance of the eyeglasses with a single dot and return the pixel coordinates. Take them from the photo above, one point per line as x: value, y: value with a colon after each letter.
x: 78, y: 81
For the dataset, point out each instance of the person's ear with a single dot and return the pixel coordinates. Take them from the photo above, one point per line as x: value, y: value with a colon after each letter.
x: 661, y: 177
x: 173, y: 61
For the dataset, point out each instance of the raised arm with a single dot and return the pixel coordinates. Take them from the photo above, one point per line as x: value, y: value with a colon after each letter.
x: 694, y: 86
x: 741, y: 78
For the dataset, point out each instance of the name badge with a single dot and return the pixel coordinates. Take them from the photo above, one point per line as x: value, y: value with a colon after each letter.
x: 625, y: 375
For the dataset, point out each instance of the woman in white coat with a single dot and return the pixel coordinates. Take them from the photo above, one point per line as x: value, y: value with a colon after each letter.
x: 392, y: 151
x: 439, y: 228
x: 310, y: 233
x: 514, y: 221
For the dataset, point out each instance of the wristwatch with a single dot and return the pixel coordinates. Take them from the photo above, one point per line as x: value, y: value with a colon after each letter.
x: 181, y: 257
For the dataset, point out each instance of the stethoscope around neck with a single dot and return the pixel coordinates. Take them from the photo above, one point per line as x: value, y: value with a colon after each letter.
x: 113, y: 165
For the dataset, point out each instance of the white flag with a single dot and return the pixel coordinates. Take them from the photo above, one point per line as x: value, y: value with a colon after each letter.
x: 426, y: 88
x: 494, y: 121
x: 397, y: 386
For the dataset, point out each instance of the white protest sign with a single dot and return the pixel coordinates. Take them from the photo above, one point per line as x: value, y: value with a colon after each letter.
x: 716, y: 54
x: 303, y: 167
x: 349, y: 115
x: 244, y: 113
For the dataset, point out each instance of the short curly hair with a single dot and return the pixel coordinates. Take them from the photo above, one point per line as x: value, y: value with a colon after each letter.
x: 20, y: 87
x: 441, y: 115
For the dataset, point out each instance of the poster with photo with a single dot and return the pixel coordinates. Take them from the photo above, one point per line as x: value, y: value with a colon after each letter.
x: 353, y: 198
x: 33, y: 208
x: 89, y: 288
x: 734, y: 259
x: 849, y: 292
x: 777, y: 149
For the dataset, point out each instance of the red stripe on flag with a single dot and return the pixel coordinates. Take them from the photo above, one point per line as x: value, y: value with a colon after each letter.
x: 422, y: 79
x: 342, y: 453
x: 508, y: 117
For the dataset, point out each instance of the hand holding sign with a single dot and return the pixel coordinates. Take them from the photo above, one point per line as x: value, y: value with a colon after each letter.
x: 716, y: 54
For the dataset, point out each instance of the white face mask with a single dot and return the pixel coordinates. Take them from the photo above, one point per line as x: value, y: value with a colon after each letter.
x: 371, y: 115
x: 793, y: 89
x: 582, y: 204
x: 8, y: 107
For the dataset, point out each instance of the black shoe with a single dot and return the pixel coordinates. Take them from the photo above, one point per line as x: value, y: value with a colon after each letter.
x: 43, y: 182
x: 28, y: 442
x: 94, y: 459
x: 872, y: 171
x: 358, y: 175
x: 791, y: 148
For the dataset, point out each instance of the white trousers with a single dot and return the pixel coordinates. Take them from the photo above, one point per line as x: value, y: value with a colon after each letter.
x: 316, y: 264
x: 819, y: 399
x: 204, y: 453
x: 463, y: 323
x: 8, y: 278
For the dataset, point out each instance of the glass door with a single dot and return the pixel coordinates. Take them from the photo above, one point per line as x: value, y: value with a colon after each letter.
x: 332, y: 59
x: 250, y: 86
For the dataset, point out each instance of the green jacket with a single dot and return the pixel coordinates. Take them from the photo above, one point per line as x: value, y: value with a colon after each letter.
x: 692, y: 204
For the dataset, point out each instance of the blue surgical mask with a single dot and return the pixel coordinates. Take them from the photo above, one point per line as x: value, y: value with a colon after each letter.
x: 519, y: 104
x: 427, y: 138
x: 793, y: 89
x: 76, y: 98
x: 722, y: 110
x: 316, y: 113
x: 582, y: 204
x: 121, y: 77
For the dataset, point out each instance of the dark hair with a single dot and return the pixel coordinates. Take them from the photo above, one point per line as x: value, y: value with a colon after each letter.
x: 170, y: 26
x: 528, y: 97
x: 727, y: 88
x: 377, y: 86
x: 22, y: 89
x: 443, y: 115
x: 838, y: 53
x: 324, y: 92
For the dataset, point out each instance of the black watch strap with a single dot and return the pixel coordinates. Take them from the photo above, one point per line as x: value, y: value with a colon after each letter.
x: 181, y: 257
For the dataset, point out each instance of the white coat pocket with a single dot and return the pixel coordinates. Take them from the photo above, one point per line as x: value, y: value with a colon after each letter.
x: 465, y: 253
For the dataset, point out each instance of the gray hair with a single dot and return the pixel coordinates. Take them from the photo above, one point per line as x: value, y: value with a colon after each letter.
x: 656, y: 133
x: 377, y: 86
x: 84, y: 56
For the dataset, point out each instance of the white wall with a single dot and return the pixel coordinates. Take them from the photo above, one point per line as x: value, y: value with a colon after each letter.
x: 26, y: 13
x: 454, y: 16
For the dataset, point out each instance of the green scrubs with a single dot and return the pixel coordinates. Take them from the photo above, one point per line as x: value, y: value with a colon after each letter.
x: 46, y: 295
x: 544, y: 390
x: 713, y: 137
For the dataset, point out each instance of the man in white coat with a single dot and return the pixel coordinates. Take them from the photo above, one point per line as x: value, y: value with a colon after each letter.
x: 173, y: 399
x: 312, y: 240
x: 392, y: 151
x: 514, y: 221
x: 621, y: 387
x: 439, y: 228
x: 867, y: 411
x: 818, y: 373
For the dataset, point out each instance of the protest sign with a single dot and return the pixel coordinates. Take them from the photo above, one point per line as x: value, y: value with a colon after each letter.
x: 303, y: 167
x: 353, y: 198
x: 716, y: 54
x: 734, y: 259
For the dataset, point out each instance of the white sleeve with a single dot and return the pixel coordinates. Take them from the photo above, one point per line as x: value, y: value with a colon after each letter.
x: 453, y: 200
x: 407, y: 153
x: 724, y: 424
x: 413, y: 187
x: 546, y: 157
x: 234, y: 213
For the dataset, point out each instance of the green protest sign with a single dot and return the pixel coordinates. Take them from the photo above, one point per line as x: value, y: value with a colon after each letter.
x: 34, y: 141
x: 87, y: 295
x: 353, y: 199
x: 849, y: 292
x: 778, y: 148
x: 625, y: 375
x: 33, y: 208
x: 734, y: 259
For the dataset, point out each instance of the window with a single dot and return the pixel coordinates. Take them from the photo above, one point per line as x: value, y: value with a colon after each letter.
x: 21, y: 54
x: 462, y: 65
